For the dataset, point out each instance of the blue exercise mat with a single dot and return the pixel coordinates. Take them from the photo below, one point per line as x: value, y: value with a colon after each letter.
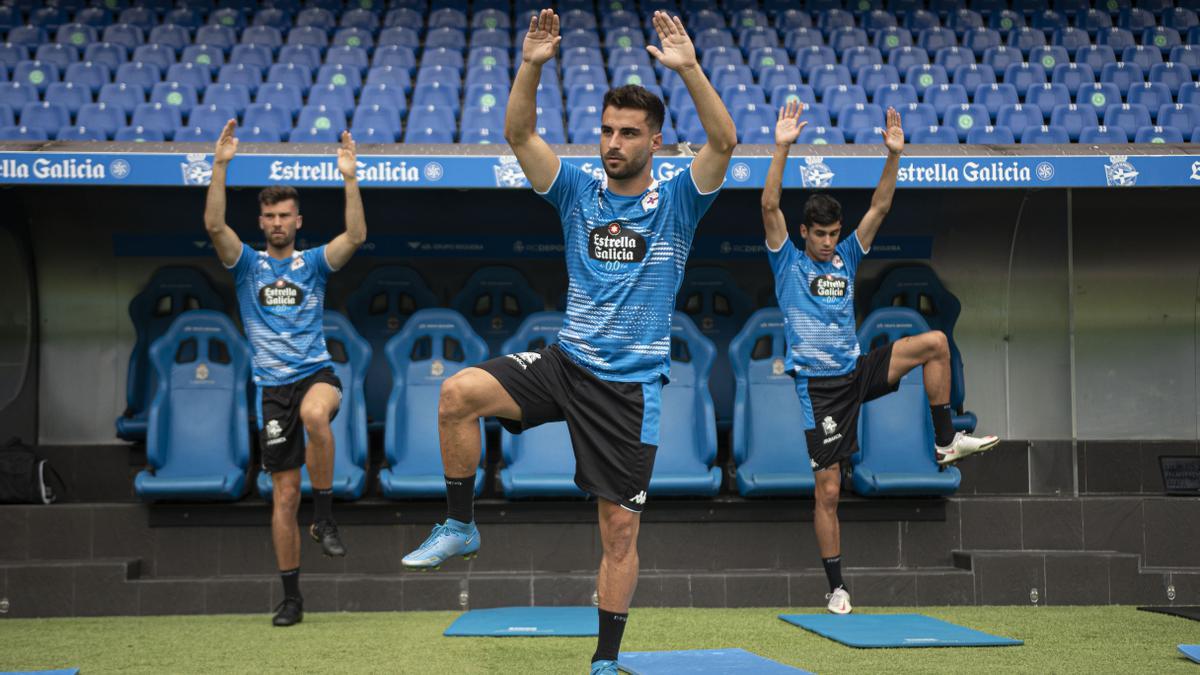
x: 894, y: 630
x: 699, y: 661
x: 61, y: 671
x: 1191, y: 651
x: 526, y: 621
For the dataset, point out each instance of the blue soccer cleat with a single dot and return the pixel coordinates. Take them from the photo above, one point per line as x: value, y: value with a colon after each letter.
x: 604, y: 668
x: 447, y: 540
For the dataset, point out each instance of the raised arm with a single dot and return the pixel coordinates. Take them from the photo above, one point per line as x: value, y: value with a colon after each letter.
x: 881, y: 200
x: 537, y: 160
x: 787, y: 129
x: 224, y: 239
x: 338, y: 251
x: 679, y: 54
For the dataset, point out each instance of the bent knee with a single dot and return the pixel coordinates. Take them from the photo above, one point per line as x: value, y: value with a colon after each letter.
x: 939, y: 344
x: 314, y: 416
x: 457, y: 397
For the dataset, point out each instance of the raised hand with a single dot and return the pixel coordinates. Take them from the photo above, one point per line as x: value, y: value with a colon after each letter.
x: 788, y: 128
x: 893, y: 135
x: 226, y: 144
x: 677, y: 53
x: 347, y: 157
x: 541, y: 42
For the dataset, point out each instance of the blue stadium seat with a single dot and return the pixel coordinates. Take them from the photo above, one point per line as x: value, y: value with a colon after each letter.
x: 1016, y: 117
x: 1024, y: 75
x: 935, y: 38
x: 889, y: 40
x: 1072, y: 39
x: 235, y: 96
x: 23, y: 133
x: 160, y: 117
x: 380, y: 306
x: 1182, y: 116
x: 399, y: 36
x: 1158, y: 134
x: 953, y: 57
x: 1188, y: 93
x: 220, y: 37
x: 378, y: 121
x: 317, y: 18
x: 936, y: 135
x: 538, y: 462
x: 917, y: 116
x: 15, y: 95
x: 49, y: 117
x: 963, y: 118
x: 924, y: 76
x: 872, y: 77
x: 836, y: 98
x: 69, y: 95
x: 338, y: 75
x: 812, y: 57
x: 312, y: 135
x: 174, y: 93
x: 118, y: 95
x: 895, y: 432
x: 1045, y: 135
x: 894, y: 96
x: 140, y: 134
x: 1187, y: 55
x: 1004, y: 19
x: 845, y: 38
x: 266, y: 36
x: 980, y: 39
x: 60, y: 56
x: 207, y: 57
x: 859, y: 58
x: 802, y: 92
x: 854, y: 118
x: 1103, y: 135
x: 182, y: 17
x: 767, y: 411
x: 1046, y: 96
x: 227, y: 16
x: 1153, y: 95
x: 202, y: 363
x: 1117, y: 38
x: 1026, y: 39
x: 285, y: 97
x: 196, y: 134
x: 920, y: 18
x: 738, y: 95
x: 495, y: 300
x: 27, y: 35
x: 198, y: 77
x: 1129, y: 117
x: 1095, y: 56
x: 801, y: 38
x: 991, y: 135
x: 995, y: 96
x: 943, y: 96
x: 170, y: 35
x: 322, y: 117
x: 128, y: 35
x: 1072, y: 76
x: 1124, y: 75
x: 1180, y: 18
x: 829, y: 76
x: 1161, y: 38
x: 141, y: 16
x: 821, y: 135
x: 35, y: 74
x: 963, y: 20
x: 433, y: 345
x: 904, y: 58
x: 351, y: 354
x: 1173, y: 76
x: 308, y: 36
x: 730, y: 75
x: 1000, y: 58
x: 973, y: 75
x: 101, y: 117
x: 872, y: 136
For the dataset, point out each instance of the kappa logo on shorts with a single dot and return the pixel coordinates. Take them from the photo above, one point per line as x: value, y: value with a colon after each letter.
x: 639, y: 498
x: 524, y: 359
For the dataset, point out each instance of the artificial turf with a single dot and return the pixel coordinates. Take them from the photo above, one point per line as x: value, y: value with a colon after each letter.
x: 1057, y: 640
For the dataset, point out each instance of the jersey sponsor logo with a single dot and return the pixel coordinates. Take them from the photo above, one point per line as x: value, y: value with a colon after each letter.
x: 613, y: 243
x: 829, y: 286
x: 282, y: 293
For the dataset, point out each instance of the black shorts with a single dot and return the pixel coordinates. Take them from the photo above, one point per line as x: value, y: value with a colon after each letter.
x: 280, y: 429
x: 613, y: 425
x: 834, y: 403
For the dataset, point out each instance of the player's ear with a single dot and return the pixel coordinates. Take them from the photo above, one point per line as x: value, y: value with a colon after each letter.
x: 656, y: 141
x: 299, y: 221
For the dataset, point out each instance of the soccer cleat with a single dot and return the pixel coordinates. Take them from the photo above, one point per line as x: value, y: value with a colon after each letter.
x: 447, y: 540
x: 964, y: 445
x: 839, y: 601
x: 325, y: 533
x: 604, y: 668
x: 289, y: 612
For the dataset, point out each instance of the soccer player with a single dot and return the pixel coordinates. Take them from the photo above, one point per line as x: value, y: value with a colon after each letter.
x: 281, y: 293
x: 815, y: 288
x: 627, y: 239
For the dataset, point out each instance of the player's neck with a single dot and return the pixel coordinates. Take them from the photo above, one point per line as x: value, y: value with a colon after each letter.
x: 630, y: 187
x: 281, y: 252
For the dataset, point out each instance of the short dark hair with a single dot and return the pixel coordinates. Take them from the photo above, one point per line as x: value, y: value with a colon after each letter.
x: 821, y: 209
x: 638, y: 98
x: 278, y: 193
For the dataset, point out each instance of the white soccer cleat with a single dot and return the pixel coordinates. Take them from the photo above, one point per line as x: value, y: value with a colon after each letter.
x: 963, y: 446
x: 839, y: 601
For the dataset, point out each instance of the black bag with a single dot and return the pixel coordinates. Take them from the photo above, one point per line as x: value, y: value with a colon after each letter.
x: 23, y: 477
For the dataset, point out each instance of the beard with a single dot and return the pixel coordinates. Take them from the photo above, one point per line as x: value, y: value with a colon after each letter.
x: 632, y: 167
x: 281, y: 240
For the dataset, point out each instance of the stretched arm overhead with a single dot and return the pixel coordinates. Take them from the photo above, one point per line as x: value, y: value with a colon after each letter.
x: 224, y: 239
x: 338, y: 251
x: 537, y: 160
x: 881, y: 200
x: 679, y: 54
x: 787, y: 129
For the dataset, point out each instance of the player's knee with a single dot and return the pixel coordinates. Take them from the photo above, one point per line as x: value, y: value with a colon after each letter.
x: 939, y: 344
x: 827, y: 494
x: 455, y: 400
x: 315, y: 416
x: 619, y: 537
x: 287, y: 496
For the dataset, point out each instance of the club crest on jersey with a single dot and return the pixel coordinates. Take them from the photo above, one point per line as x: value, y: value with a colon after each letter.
x: 650, y: 201
x: 297, y: 263
x: 282, y: 293
x: 837, y: 261
x: 829, y: 286
x: 613, y: 243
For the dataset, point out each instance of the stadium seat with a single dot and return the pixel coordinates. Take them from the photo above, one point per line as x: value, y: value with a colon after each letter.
x: 944, y: 96
x: 995, y: 96
x: 1095, y: 56
x: 872, y: 77
x: 1016, y: 117
x: 853, y: 118
x: 1071, y: 38
x: 1117, y: 38
x: 1182, y: 116
x: 953, y: 57
x: 1129, y: 117
x: 202, y: 364
x: 433, y: 345
x: 1103, y: 135
x: 88, y: 74
x: 1045, y: 135
x: 821, y: 135
x: 47, y: 116
x: 101, y: 118
x: 837, y: 97
x: 323, y: 117
x: 1142, y: 56
x: 973, y: 75
x: 1187, y: 55
x: 140, y: 134
x: 35, y: 74
x: 1173, y: 76
x: 284, y: 97
x: 917, y: 116
x: 182, y: 96
x: 926, y: 75
x: 861, y: 57
x: 991, y: 135
x: 1046, y: 96
x: 495, y: 300
x: 350, y: 354
x: 1024, y: 75
x: 767, y: 411
x: 1123, y: 75
x: 1000, y: 58
x: 963, y: 118
x: 118, y: 95
x: 782, y: 94
x: 895, y: 432
x: 234, y: 96
x: 1158, y: 135
x: 1153, y: 95
x: 1072, y: 76
x: 937, y: 135
x: 1073, y: 118
x: 539, y: 462
x: 711, y: 297
x: 69, y: 95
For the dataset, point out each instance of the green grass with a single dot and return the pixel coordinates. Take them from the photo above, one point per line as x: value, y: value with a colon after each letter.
x: 1057, y: 640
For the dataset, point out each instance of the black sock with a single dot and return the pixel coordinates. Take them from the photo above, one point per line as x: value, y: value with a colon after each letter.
x: 322, y: 504
x: 291, y: 583
x: 612, y: 627
x: 460, y: 498
x: 833, y: 572
x: 943, y: 428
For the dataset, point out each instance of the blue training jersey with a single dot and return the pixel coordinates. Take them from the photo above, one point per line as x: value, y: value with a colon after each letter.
x: 817, y: 301
x: 283, y: 306
x: 625, y: 260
